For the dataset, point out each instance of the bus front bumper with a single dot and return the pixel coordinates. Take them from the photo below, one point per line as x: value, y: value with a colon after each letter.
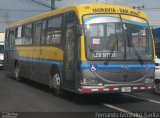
x: 116, y: 89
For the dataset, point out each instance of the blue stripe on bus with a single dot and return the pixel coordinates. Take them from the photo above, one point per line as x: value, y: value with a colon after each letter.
x: 117, y: 66
x: 41, y: 61
x: 97, y: 66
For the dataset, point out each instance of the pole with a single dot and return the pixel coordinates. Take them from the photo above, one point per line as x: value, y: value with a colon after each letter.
x: 52, y: 4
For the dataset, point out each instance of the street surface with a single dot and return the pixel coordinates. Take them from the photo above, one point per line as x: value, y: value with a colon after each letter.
x: 28, y: 96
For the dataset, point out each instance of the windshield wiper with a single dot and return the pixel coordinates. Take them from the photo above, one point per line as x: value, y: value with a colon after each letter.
x: 110, y: 56
x: 90, y: 50
x: 139, y: 57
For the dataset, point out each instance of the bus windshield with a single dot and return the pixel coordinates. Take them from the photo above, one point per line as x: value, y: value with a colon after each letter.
x: 1, y: 48
x: 117, y: 37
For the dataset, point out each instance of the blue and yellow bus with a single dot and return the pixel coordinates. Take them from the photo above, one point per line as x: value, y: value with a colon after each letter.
x: 84, y: 49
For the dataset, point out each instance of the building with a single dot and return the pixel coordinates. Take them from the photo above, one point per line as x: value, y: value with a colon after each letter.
x: 2, y: 36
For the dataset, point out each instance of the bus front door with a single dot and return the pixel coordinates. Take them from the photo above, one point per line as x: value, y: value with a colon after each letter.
x: 69, y: 56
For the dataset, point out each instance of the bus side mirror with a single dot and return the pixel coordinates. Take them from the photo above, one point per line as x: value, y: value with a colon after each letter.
x: 78, y: 29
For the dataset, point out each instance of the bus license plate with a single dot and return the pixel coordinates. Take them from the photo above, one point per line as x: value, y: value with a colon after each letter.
x: 126, y: 89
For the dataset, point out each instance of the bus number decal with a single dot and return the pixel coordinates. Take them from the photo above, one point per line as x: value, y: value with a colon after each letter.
x: 104, y: 54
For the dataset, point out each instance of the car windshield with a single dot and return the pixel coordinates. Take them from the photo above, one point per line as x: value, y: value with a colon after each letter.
x: 117, y: 38
x: 1, y: 48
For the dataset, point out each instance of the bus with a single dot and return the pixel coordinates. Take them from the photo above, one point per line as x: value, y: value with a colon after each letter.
x: 85, y: 49
x: 1, y: 54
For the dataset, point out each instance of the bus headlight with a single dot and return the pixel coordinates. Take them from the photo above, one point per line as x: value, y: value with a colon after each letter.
x: 148, y: 81
x: 91, y: 81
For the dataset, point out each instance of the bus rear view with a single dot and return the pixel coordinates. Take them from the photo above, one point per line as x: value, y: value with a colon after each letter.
x: 119, y: 52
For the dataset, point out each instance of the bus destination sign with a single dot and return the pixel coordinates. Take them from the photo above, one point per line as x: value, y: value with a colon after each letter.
x: 113, y: 10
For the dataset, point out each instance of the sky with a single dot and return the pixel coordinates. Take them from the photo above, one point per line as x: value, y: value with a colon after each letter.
x: 153, y: 14
x: 15, y: 10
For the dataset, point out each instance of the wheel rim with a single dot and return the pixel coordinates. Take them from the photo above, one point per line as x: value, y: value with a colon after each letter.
x: 158, y: 88
x: 56, y: 81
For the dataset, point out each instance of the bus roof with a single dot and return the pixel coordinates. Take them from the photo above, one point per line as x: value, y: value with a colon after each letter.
x: 84, y: 9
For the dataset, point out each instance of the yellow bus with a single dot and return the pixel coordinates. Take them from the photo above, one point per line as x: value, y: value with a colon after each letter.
x: 84, y: 49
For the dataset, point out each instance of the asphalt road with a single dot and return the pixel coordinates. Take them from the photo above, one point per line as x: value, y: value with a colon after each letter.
x: 28, y: 96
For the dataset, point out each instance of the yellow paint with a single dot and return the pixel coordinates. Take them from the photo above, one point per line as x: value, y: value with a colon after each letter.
x: 43, y: 52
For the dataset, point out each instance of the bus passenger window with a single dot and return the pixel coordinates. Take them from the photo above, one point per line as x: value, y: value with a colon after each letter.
x: 54, y: 30
x: 27, y: 39
x: 19, y: 32
x: 18, y: 40
x: 38, y: 31
x: 44, y: 32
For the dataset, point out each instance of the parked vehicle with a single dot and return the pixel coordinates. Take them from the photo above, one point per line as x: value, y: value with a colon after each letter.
x: 157, y: 76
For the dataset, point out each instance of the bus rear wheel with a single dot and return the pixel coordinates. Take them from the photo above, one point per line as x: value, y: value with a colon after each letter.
x: 16, y: 72
x: 55, y: 84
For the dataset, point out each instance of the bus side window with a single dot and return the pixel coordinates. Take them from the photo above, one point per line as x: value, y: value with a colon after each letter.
x: 37, y: 33
x: 18, y: 38
x: 44, y: 32
x: 54, y: 30
x: 27, y: 34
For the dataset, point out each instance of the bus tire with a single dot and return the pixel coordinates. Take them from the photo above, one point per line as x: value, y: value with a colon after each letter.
x: 55, y: 82
x: 16, y: 72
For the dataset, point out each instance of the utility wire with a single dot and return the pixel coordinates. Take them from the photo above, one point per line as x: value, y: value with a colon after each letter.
x: 38, y: 3
x: 42, y: 4
x: 29, y: 2
x: 22, y: 10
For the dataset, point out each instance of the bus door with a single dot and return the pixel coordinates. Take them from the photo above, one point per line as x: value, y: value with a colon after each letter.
x: 69, y: 55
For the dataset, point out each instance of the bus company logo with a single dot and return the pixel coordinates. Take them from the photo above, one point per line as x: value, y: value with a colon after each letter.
x: 93, y: 68
x: 124, y: 68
